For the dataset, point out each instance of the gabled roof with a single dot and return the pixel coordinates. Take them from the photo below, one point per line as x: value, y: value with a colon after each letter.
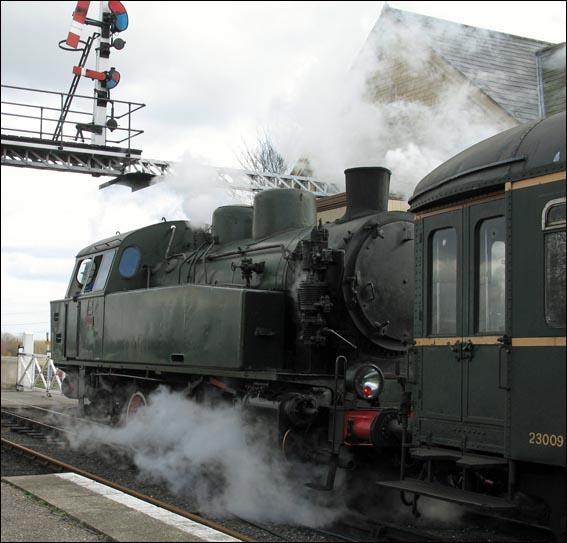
x: 503, y: 66
x: 551, y: 73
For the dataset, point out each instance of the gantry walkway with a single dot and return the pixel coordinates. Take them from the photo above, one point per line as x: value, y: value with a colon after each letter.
x: 35, y: 134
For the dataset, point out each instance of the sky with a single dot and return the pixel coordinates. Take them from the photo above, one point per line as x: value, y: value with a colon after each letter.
x: 214, y: 76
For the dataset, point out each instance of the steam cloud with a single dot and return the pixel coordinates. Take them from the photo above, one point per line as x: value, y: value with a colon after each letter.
x: 200, y: 189
x: 191, y: 192
x: 338, y: 122
x: 204, y: 452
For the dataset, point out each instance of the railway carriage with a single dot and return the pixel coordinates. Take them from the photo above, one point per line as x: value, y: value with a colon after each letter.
x: 489, y: 320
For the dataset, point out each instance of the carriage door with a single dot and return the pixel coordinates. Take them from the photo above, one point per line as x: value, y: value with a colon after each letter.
x: 464, y: 280
x: 484, y: 303
x: 441, y: 370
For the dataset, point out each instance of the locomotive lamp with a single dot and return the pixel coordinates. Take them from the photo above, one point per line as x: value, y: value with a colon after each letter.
x: 367, y: 380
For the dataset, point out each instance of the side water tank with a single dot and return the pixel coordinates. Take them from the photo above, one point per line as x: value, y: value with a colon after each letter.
x: 231, y: 223
x: 276, y: 210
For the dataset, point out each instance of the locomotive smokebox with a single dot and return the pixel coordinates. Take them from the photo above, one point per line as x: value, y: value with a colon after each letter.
x: 367, y: 191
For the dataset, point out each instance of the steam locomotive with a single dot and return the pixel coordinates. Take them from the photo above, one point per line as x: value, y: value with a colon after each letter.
x: 305, y: 325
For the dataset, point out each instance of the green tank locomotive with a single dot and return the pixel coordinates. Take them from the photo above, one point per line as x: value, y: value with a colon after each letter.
x: 306, y: 324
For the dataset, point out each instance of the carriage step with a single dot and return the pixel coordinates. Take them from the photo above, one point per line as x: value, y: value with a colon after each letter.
x: 435, y: 454
x: 449, y: 494
x: 473, y: 461
x: 479, y: 462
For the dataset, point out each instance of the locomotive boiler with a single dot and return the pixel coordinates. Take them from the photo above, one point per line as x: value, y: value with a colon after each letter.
x: 303, y: 324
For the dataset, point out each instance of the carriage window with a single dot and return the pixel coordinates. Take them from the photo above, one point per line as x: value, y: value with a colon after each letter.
x: 129, y: 262
x: 491, y: 267
x: 443, y: 307
x: 553, y: 223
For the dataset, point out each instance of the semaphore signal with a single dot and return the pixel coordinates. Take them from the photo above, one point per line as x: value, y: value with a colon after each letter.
x: 92, y: 74
x: 79, y: 18
x: 112, y: 19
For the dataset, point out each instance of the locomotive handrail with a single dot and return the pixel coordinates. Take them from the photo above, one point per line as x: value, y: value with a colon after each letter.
x: 340, y: 337
x: 251, y: 250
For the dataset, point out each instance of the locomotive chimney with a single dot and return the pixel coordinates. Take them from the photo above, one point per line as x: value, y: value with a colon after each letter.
x: 367, y: 191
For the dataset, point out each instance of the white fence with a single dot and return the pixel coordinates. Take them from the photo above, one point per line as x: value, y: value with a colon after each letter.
x: 37, y: 371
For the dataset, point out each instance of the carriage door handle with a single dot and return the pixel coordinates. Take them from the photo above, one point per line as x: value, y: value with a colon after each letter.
x: 468, y: 350
x: 456, y: 348
x: 503, y: 351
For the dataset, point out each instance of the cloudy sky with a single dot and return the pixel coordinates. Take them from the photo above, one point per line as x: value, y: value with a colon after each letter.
x: 212, y: 75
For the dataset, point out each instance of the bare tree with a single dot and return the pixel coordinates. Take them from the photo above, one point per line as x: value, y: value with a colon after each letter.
x: 264, y: 158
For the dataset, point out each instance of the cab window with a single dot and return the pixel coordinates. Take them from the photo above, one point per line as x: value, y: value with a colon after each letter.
x: 129, y: 262
x: 104, y: 269
x: 93, y: 271
x: 85, y: 271
x: 553, y: 225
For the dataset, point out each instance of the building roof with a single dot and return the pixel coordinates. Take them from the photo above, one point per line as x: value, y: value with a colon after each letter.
x: 502, y: 65
x: 551, y: 73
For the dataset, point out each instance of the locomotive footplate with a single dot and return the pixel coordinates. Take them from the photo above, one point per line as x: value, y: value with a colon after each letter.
x: 446, y: 493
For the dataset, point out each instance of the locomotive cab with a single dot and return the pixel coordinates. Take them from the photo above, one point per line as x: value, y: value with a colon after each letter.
x: 119, y: 263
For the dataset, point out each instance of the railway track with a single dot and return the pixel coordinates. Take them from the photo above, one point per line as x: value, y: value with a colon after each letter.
x: 31, y: 428
x: 26, y: 426
x: 62, y: 466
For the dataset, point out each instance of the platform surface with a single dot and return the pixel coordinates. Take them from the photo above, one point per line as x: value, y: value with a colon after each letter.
x: 35, y: 398
x: 103, y: 509
x: 117, y: 515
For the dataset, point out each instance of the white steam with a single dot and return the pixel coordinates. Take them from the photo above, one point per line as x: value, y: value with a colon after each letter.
x: 192, y: 191
x: 362, y: 118
x: 200, y: 189
x: 202, y: 453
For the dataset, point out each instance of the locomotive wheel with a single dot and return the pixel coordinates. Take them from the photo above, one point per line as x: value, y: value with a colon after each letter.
x: 293, y: 446
x: 300, y: 445
x: 136, y: 402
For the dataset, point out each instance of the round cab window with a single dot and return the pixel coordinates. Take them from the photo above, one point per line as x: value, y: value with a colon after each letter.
x: 129, y: 262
